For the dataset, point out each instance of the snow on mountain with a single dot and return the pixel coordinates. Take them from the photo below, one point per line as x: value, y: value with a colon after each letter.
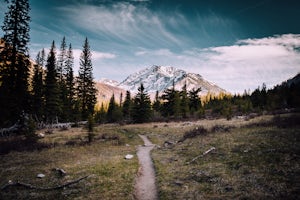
x: 159, y: 78
x: 109, y: 82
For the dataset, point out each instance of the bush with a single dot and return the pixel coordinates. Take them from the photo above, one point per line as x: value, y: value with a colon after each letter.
x: 193, y: 133
x: 28, y: 127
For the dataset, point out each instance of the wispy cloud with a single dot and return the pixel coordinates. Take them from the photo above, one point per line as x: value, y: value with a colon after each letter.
x: 121, y: 22
x: 244, y: 65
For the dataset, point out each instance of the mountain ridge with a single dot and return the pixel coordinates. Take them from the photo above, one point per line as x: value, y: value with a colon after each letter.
x: 160, y: 78
x: 156, y: 78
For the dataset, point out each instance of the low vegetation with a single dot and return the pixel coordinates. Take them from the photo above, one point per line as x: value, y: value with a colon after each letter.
x: 110, y: 175
x: 257, y: 160
x: 205, y: 159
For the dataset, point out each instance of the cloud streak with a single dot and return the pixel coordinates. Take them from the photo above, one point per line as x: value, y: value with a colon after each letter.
x: 121, y: 22
x: 244, y: 65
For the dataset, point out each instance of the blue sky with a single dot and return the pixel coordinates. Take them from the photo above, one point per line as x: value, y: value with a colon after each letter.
x: 236, y: 44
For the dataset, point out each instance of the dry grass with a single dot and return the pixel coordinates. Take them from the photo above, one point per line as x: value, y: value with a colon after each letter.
x: 250, y: 161
x: 111, y: 175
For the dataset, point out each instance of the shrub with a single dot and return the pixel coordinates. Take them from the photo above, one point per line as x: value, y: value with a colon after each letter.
x: 193, y: 133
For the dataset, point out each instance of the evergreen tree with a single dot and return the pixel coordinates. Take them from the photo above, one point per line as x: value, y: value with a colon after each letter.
x: 114, y: 113
x: 100, y: 116
x: 86, y: 90
x: 38, y: 89
x: 42, y: 58
x: 121, y: 100
x: 127, y: 106
x: 184, y: 105
x: 61, y: 72
x: 52, y: 93
x: 61, y: 61
x: 14, y: 72
x: 171, y: 105
x: 70, y: 85
x: 156, y: 103
x: 141, y: 109
x: 195, y: 101
x: 176, y: 104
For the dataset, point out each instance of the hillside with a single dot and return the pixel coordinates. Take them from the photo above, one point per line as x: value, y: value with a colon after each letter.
x: 155, y: 78
x: 159, y: 78
x: 105, y: 92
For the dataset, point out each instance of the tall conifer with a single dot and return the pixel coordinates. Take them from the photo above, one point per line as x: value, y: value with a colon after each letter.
x: 127, y: 105
x: 52, y: 93
x: 14, y: 72
x: 37, y: 89
x: 184, y: 104
x: 70, y: 85
x: 86, y: 90
x: 141, y: 110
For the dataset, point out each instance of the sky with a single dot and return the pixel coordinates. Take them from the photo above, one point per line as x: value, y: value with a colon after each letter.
x: 238, y: 45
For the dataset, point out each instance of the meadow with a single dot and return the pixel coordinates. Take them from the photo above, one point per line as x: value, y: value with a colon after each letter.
x: 207, y: 159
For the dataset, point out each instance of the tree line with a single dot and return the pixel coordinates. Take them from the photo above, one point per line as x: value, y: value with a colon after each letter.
x: 173, y: 104
x: 52, y: 93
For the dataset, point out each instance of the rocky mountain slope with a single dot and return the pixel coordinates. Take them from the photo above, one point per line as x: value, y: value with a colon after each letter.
x: 159, y: 78
x: 105, y: 92
x: 155, y: 78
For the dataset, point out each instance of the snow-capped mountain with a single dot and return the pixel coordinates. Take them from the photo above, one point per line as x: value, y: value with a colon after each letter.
x: 159, y: 78
x: 109, y: 82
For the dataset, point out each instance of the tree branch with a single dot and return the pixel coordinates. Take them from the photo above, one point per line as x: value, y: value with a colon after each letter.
x: 27, y: 185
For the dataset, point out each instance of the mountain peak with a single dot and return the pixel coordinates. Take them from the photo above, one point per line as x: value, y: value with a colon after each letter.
x: 159, y: 78
x: 109, y: 82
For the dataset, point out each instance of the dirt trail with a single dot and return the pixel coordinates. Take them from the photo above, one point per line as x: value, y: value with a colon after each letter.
x: 145, y: 188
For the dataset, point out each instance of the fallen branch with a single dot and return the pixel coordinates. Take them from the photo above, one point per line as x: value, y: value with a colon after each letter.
x: 26, y: 185
x: 200, y: 156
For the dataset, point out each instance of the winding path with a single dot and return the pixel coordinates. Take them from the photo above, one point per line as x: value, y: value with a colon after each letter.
x: 145, y: 188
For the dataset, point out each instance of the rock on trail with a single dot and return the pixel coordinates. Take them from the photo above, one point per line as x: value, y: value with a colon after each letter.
x: 145, y: 188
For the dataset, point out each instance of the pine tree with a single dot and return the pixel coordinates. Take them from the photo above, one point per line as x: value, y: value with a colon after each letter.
x: 184, y: 105
x: 61, y: 72
x: 52, y: 93
x: 114, y: 113
x: 86, y: 90
x: 14, y: 72
x: 195, y: 101
x: 126, y: 109
x: 156, y: 103
x: 42, y: 58
x: 38, y: 89
x: 141, y: 110
x: 100, y: 115
x: 70, y: 85
x: 61, y: 63
x: 171, y: 105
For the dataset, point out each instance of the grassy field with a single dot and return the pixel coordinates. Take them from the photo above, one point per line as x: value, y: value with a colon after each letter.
x: 111, y: 176
x: 252, y: 159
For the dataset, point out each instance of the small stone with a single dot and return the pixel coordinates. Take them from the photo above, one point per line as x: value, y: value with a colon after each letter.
x: 128, y: 156
x: 127, y: 145
x: 41, y: 135
x: 40, y: 175
x: 179, y: 183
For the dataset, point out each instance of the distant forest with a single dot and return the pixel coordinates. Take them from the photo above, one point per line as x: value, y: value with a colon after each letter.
x: 188, y: 105
x: 49, y: 92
